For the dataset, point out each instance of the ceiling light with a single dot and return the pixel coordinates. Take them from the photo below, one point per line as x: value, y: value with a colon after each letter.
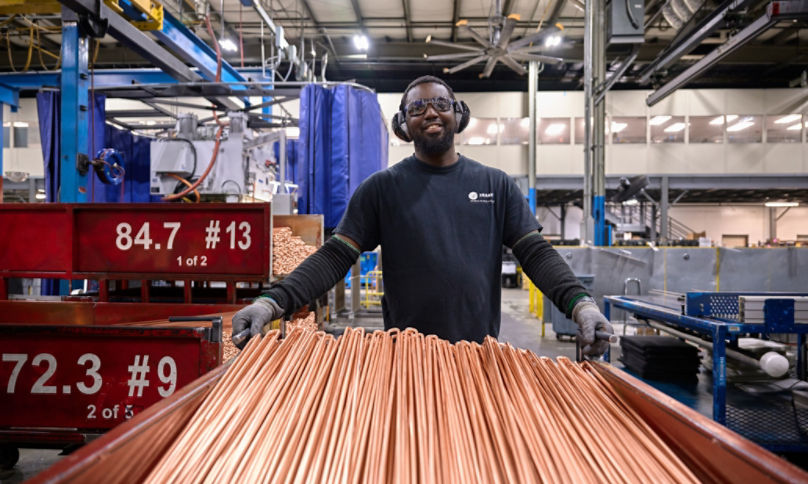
x: 720, y: 119
x: 40, y: 196
x: 553, y: 41
x: 675, y: 128
x: 782, y: 204
x: 788, y: 119
x: 554, y: 129
x: 633, y: 201
x: 228, y: 45
x: 361, y: 42
x: 476, y: 140
x: 618, y: 127
x: 20, y: 124
x: 657, y: 120
x: 795, y: 127
x: 740, y: 126
x: 524, y: 123
x: 472, y: 123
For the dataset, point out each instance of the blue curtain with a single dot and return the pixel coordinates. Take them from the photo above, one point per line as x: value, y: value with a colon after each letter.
x: 136, y: 161
x: 343, y: 139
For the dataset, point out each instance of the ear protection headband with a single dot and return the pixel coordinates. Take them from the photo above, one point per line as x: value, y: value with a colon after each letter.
x: 461, y: 112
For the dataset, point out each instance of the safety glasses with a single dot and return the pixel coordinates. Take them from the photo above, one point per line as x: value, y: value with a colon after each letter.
x: 418, y: 107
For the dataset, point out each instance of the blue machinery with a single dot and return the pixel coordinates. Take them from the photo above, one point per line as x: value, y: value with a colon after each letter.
x: 715, y: 315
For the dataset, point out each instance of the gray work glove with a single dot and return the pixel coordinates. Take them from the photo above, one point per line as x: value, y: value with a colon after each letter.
x: 254, y: 317
x: 589, y: 320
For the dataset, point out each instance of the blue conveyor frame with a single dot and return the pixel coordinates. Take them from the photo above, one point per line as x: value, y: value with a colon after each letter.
x: 698, y: 317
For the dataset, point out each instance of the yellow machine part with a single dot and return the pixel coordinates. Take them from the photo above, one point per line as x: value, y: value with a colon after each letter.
x: 23, y: 7
x: 152, y: 10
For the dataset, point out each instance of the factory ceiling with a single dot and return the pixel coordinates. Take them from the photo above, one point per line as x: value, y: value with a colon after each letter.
x: 397, y: 31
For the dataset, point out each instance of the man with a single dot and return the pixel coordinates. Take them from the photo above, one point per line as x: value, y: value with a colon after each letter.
x: 441, y: 220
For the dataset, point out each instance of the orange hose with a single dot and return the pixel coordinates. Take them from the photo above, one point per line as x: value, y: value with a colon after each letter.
x: 186, y: 183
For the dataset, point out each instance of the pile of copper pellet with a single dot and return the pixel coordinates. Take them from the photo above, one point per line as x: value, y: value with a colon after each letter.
x: 403, y: 407
x: 288, y: 250
x: 229, y: 350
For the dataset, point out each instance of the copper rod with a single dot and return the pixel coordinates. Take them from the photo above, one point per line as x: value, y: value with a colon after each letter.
x: 402, y: 407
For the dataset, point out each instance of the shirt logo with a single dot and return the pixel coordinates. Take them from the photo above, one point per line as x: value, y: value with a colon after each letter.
x: 481, y: 197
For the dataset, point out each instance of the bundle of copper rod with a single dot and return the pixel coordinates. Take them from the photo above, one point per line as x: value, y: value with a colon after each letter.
x: 403, y: 407
x: 288, y: 250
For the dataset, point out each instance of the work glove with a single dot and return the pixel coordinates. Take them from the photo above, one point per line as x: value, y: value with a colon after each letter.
x: 254, y: 317
x: 589, y: 320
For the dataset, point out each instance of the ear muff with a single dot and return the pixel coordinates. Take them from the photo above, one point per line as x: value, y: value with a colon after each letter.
x: 399, y: 125
x: 462, y: 115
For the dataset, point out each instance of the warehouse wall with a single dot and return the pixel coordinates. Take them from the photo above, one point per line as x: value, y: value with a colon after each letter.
x: 624, y: 159
x: 27, y: 159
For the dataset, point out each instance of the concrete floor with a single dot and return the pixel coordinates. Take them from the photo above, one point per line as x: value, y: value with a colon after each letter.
x: 518, y: 328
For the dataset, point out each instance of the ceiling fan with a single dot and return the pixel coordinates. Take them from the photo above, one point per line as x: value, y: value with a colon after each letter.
x: 498, y: 47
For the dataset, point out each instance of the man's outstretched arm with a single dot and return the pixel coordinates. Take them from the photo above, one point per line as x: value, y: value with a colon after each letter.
x: 312, y: 278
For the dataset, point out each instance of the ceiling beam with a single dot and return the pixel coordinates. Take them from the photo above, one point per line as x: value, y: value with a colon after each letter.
x: 358, y: 13
x: 407, y: 21
x: 321, y: 31
x: 455, y: 18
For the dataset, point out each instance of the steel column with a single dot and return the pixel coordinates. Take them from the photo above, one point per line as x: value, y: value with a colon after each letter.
x: 589, y: 27
x: 532, y: 87
x: 74, y: 108
x: 599, y: 126
x: 663, y: 211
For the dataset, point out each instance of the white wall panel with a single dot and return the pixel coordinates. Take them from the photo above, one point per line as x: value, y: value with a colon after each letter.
x: 783, y: 158
x: 702, y: 158
x: 626, y: 159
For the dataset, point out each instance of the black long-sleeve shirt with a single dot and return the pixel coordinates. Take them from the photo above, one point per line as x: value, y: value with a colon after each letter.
x: 441, y: 231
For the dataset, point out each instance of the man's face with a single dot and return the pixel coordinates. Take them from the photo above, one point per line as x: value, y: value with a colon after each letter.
x: 432, y: 130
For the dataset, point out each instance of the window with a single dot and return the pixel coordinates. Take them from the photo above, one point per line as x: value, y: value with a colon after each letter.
x: 706, y: 129
x: 667, y: 129
x: 20, y: 135
x: 785, y: 128
x: 744, y: 129
x: 580, y: 129
x: 627, y: 129
x: 554, y: 131
x: 481, y: 131
x: 514, y: 131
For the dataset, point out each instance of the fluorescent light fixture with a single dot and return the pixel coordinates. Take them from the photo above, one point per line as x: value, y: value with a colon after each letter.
x: 553, y: 41
x: 355, y: 56
x: 718, y: 121
x: 361, y: 42
x: 618, y: 127
x: 782, y: 204
x: 20, y: 124
x: 788, y: 119
x: 555, y: 129
x: 472, y: 123
x: 524, y: 123
x: 740, y: 126
x: 40, y: 196
x: 492, y: 129
x: 675, y: 128
x: 631, y: 202
x: 657, y: 120
x: 476, y: 140
x: 228, y: 45
x: 794, y: 127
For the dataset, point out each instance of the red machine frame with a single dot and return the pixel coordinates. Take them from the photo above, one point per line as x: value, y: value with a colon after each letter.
x: 199, y: 242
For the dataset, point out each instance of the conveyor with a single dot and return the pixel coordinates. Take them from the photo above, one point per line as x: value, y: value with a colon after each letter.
x: 718, y: 317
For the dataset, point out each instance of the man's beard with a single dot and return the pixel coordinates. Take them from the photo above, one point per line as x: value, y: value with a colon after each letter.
x: 433, y: 146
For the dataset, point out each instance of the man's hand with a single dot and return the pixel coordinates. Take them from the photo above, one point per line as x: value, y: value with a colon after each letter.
x: 589, y: 320
x: 254, y: 317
